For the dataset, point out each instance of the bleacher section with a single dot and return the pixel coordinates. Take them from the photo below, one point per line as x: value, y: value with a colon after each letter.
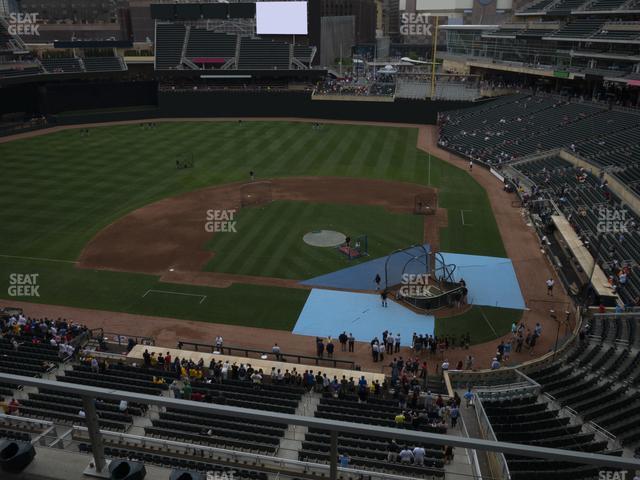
x: 28, y: 359
x: 537, y: 6
x: 62, y: 65
x: 115, y: 378
x: 581, y: 202
x: 598, y: 377
x: 19, y: 70
x: 205, y: 44
x: 169, y: 44
x: 564, y: 7
x: 520, y: 125
x: 63, y: 408
x: 176, y: 459
x: 531, y: 421
x: 103, y: 64
x: 203, y: 48
x: 619, y: 31
x: 304, y: 53
x: 258, y: 54
x: 604, y: 5
x: 364, y: 452
x: 579, y: 28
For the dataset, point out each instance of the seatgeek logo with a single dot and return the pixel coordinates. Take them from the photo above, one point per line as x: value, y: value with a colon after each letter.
x: 221, y: 221
x: 23, y: 285
x: 221, y: 475
x: 611, y: 220
x: 414, y: 285
x: 24, y: 24
x: 415, y: 24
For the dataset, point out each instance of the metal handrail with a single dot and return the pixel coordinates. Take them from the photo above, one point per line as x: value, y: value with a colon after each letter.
x: 88, y: 393
x: 209, y: 348
x: 237, y: 455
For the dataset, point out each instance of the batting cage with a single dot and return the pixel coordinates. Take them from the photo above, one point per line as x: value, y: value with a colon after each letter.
x: 421, y: 278
x: 256, y: 193
x: 413, y: 260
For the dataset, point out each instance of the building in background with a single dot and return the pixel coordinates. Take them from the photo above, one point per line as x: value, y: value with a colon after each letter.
x: 364, y: 22
x: 338, y: 36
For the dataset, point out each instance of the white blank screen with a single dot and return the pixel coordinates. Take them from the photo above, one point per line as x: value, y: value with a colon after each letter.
x: 281, y: 18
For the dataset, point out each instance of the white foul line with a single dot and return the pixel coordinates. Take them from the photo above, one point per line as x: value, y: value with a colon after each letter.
x: 38, y: 258
x: 202, y: 297
x: 488, y: 323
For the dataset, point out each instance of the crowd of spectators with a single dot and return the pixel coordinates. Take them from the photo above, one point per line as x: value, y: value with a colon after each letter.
x: 20, y: 329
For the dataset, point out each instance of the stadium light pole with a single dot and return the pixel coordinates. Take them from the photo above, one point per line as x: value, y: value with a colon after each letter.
x: 433, y: 60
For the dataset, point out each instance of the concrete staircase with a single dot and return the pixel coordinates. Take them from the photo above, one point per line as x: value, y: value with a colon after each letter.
x: 291, y: 442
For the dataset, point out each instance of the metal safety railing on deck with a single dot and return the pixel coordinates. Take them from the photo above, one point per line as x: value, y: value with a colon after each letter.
x: 283, y: 356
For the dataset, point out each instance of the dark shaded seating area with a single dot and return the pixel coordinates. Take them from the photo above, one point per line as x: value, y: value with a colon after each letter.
x: 218, y: 431
x: 598, y: 376
x: 529, y: 421
x: 174, y: 459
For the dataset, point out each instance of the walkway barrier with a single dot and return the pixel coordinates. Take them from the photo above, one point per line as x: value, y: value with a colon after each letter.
x: 263, y: 354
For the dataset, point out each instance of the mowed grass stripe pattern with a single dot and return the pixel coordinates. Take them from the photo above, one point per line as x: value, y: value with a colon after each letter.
x: 269, y: 239
x: 65, y: 187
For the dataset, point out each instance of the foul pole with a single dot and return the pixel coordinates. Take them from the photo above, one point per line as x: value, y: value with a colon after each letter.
x: 433, y: 60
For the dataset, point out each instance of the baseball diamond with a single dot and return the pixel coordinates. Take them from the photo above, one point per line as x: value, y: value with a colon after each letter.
x: 338, y: 239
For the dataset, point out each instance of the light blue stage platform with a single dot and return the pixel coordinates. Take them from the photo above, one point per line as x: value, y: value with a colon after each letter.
x: 330, y: 312
x: 362, y: 276
x: 491, y: 281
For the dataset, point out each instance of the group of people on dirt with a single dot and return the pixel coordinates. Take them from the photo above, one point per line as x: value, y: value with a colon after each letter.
x: 347, y: 344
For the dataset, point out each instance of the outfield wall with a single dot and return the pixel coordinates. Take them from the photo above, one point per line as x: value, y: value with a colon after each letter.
x: 299, y: 104
x: 70, y: 102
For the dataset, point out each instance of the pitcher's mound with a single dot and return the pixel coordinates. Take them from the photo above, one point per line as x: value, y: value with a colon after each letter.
x: 324, y: 238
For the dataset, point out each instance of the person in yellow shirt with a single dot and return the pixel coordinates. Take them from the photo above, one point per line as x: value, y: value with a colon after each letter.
x: 400, y: 418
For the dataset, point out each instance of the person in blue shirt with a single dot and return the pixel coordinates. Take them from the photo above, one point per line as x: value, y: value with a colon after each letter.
x: 344, y: 460
x: 468, y: 396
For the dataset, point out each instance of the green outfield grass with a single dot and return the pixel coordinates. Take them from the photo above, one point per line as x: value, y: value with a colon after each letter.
x: 269, y: 241
x: 483, y: 324
x: 248, y: 305
x: 62, y: 188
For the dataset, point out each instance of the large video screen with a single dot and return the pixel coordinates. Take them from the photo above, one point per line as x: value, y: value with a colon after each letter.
x: 281, y: 18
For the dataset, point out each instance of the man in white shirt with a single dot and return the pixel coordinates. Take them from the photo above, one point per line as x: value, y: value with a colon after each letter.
x: 445, y: 365
x: 406, y: 455
x: 418, y: 456
x: 276, y: 351
x: 550, y: 284
x: 123, y: 406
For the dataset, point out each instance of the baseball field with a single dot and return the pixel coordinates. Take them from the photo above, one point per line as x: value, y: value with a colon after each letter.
x: 63, y: 189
